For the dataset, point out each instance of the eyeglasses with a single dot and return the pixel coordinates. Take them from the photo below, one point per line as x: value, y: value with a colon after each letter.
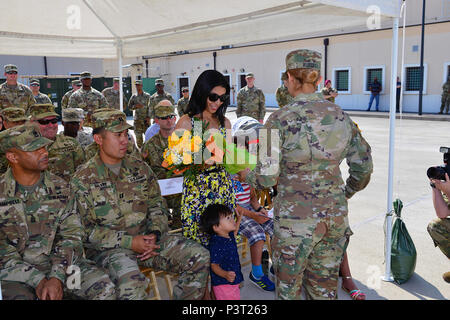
x: 168, y: 117
x: 213, y: 97
x: 12, y: 72
x: 185, y: 91
x: 46, y: 122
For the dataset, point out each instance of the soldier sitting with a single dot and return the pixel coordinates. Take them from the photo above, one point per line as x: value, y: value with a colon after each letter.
x: 65, y: 153
x: 40, y: 230
x: 153, y: 150
x: 125, y: 217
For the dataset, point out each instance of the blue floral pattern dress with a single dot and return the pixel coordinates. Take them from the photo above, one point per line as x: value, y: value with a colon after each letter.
x: 213, y: 185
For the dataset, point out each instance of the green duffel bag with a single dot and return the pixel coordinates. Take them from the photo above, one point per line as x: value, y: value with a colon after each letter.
x: 403, y: 251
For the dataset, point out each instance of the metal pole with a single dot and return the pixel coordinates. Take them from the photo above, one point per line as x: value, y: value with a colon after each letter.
x: 421, y: 59
x: 119, y: 54
x: 394, y: 58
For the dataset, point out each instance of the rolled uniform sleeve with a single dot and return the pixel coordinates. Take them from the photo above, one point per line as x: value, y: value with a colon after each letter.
x: 262, y: 105
x: 359, y: 160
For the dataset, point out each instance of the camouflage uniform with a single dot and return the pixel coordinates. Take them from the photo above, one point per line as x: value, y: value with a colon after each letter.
x: 311, y: 227
x: 156, y: 98
x: 42, y: 98
x: 445, y: 99
x: 115, y: 208
x: 182, y: 103
x: 88, y: 100
x: 327, y: 91
x: 65, y: 153
x: 152, y: 153
x: 140, y: 115
x: 66, y: 97
x: 113, y: 98
x: 11, y: 115
x: 283, y: 97
x: 19, y: 96
x: 40, y: 231
x: 251, y: 102
x: 439, y: 230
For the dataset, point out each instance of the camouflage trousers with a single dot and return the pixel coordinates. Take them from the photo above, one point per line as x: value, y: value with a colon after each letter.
x: 439, y: 230
x: 94, y: 285
x: 307, y: 253
x: 445, y: 103
x: 177, y: 255
x: 174, y: 203
x: 139, y: 130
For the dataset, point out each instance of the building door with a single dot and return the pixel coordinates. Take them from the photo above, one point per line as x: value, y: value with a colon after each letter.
x: 182, y: 82
x: 242, y: 82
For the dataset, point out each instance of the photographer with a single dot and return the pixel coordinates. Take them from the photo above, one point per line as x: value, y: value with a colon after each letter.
x: 439, y: 229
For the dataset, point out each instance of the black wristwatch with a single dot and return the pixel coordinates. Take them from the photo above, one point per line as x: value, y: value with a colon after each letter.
x: 259, y: 209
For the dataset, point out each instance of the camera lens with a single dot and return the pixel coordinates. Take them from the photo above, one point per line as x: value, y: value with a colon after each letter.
x: 437, y: 173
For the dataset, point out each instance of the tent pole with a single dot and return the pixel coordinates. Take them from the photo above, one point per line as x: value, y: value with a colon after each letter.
x: 394, y: 57
x: 119, y: 55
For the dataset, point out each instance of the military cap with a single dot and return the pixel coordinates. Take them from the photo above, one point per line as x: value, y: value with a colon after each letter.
x: 85, y: 75
x: 284, y: 76
x: 41, y: 111
x: 184, y: 88
x: 303, y: 58
x: 116, y: 80
x: 103, y: 110
x: 76, y: 82
x: 138, y: 82
x: 14, y: 114
x: 26, y: 137
x: 250, y: 75
x: 34, y: 82
x: 114, y: 121
x: 72, y: 115
x: 159, y: 82
x: 10, y: 67
x: 162, y: 111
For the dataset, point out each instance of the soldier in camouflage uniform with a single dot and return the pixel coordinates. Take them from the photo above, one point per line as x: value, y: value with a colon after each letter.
x: 439, y: 228
x: 251, y: 101
x: 445, y: 99
x: 282, y: 94
x: 329, y: 92
x: 38, y: 96
x: 84, y: 135
x: 112, y: 95
x: 12, y: 117
x: 40, y: 231
x: 311, y: 229
x: 76, y: 84
x: 126, y: 219
x: 153, y: 150
x: 65, y: 153
x: 14, y: 94
x: 183, y: 102
x: 158, y: 96
x: 87, y: 98
x: 139, y: 102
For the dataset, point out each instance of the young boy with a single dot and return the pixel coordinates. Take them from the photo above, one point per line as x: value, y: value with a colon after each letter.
x: 218, y: 221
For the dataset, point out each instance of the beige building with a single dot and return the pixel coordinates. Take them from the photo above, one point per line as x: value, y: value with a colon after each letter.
x: 353, y: 60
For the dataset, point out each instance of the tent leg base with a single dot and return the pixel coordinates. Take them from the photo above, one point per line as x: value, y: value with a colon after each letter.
x: 388, y: 278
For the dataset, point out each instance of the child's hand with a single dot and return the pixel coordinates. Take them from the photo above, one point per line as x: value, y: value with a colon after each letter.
x: 230, y: 276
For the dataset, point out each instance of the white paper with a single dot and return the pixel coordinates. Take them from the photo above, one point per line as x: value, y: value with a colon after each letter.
x: 171, y: 186
x: 270, y: 213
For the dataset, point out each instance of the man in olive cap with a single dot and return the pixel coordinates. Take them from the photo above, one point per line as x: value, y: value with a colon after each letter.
x: 12, y: 117
x: 65, y: 153
x: 38, y: 96
x: 14, y: 94
x: 183, y: 102
x: 125, y: 218
x: 87, y: 98
x: 75, y: 116
x: 153, y: 150
x: 76, y: 84
x: 282, y: 94
x: 112, y: 95
x: 139, y: 102
x: 158, y: 96
x: 250, y: 100
x: 40, y: 231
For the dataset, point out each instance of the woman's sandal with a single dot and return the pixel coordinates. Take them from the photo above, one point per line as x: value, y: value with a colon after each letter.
x: 354, y: 294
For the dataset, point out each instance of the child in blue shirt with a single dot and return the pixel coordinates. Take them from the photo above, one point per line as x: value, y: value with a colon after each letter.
x: 226, y: 275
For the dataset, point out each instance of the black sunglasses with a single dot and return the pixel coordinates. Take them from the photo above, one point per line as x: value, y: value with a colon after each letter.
x: 213, y: 97
x: 185, y: 90
x: 12, y: 72
x: 46, y: 122
x: 168, y: 117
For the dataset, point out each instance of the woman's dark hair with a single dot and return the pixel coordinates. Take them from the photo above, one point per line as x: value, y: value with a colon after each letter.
x: 207, y: 80
x: 211, y: 217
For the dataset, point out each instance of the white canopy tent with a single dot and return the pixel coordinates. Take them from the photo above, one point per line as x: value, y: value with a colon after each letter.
x: 118, y: 29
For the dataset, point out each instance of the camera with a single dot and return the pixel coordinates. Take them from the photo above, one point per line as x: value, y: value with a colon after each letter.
x: 438, y: 172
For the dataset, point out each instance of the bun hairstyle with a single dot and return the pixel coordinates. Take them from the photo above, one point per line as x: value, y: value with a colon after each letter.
x: 305, y: 76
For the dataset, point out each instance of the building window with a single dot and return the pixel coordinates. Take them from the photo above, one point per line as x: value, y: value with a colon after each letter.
x: 342, y: 80
x: 372, y: 72
x: 412, y: 78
